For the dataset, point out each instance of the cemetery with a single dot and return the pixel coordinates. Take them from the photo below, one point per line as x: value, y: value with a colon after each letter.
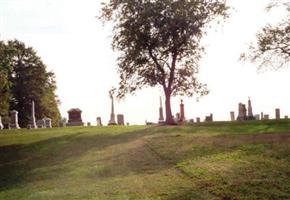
x: 76, y: 142
x: 246, y: 157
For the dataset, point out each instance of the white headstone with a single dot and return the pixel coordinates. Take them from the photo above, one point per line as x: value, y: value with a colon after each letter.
x: 1, y: 125
x: 47, y: 122
x: 32, y: 118
x: 257, y: 117
x: 40, y: 123
x: 232, y: 116
x: 266, y: 117
x: 14, y: 120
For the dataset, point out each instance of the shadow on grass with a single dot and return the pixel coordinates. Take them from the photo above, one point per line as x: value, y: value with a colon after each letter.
x: 18, y: 161
x: 229, y: 166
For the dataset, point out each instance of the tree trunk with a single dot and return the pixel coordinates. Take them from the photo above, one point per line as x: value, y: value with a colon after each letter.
x: 169, y: 118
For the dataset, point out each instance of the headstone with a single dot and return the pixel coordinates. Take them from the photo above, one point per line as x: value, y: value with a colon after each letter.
x: 250, y: 111
x: 120, y: 120
x: 89, y: 124
x: 161, y: 117
x: 14, y: 120
x: 286, y: 117
x: 112, y: 120
x: 182, y: 117
x: 232, y: 116
x: 209, y: 118
x: 47, y: 122
x: 128, y: 124
x: 62, y: 122
x: 28, y: 126
x: 1, y: 125
x: 197, y: 120
x: 262, y: 116
x: 177, y: 116
x: 99, y: 121
x: 257, y: 117
x: 266, y: 117
x: 242, y: 112
x: 32, y: 118
x: 277, y: 113
x: 40, y: 123
x: 191, y: 121
x: 75, y: 117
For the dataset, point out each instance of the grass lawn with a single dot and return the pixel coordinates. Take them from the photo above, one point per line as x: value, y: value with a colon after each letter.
x: 206, y: 161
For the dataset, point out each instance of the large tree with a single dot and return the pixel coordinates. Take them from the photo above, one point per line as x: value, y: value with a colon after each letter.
x: 27, y: 79
x: 5, y: 84
x: 159, y: 42
x: 272, y: 48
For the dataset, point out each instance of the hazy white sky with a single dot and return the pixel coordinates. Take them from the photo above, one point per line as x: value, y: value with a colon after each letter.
x: 77, y: 47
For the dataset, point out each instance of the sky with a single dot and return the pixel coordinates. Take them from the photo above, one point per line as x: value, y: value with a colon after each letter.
x: 76, y: 46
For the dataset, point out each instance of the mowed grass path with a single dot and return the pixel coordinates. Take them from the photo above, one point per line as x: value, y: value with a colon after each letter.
x: 206, y: 161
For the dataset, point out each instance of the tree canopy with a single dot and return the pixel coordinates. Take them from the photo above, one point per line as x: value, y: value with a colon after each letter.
x: 272, y: 49
x: 25, y: 78
x: 159, y: 42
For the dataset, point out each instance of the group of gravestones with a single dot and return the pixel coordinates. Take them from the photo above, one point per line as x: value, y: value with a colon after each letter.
x: 13, y: 124
x: 247, y: 114
x: 75, y: 118
x: 244, y: 114
x: 180, y: 116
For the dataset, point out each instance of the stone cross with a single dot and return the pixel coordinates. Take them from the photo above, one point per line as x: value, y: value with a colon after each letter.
x: 1, y: 125
x: 32, y: 119
x: 112, y: 120
x: 277, y: 113
x: 14, y: 120
x: 161, y: 117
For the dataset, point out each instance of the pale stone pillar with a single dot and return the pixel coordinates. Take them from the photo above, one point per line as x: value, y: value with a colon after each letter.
x: 14, y: 120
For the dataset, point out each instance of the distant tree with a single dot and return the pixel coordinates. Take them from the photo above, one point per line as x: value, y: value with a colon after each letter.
x: 272, y: 49
x: 29, y: 80
x: 5, y: 83
x: 160, y: 43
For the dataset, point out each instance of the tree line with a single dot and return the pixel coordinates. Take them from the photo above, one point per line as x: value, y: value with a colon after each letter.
x: 23, y: 78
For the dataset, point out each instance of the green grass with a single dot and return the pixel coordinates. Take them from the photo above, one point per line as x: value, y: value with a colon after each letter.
x: 205, y: 161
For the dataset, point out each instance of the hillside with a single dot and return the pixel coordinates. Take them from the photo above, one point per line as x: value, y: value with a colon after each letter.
x: 206, y: 161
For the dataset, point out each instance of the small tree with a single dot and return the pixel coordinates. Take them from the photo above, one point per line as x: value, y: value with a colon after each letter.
x: 272, y: 49
x: 159, y: 41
